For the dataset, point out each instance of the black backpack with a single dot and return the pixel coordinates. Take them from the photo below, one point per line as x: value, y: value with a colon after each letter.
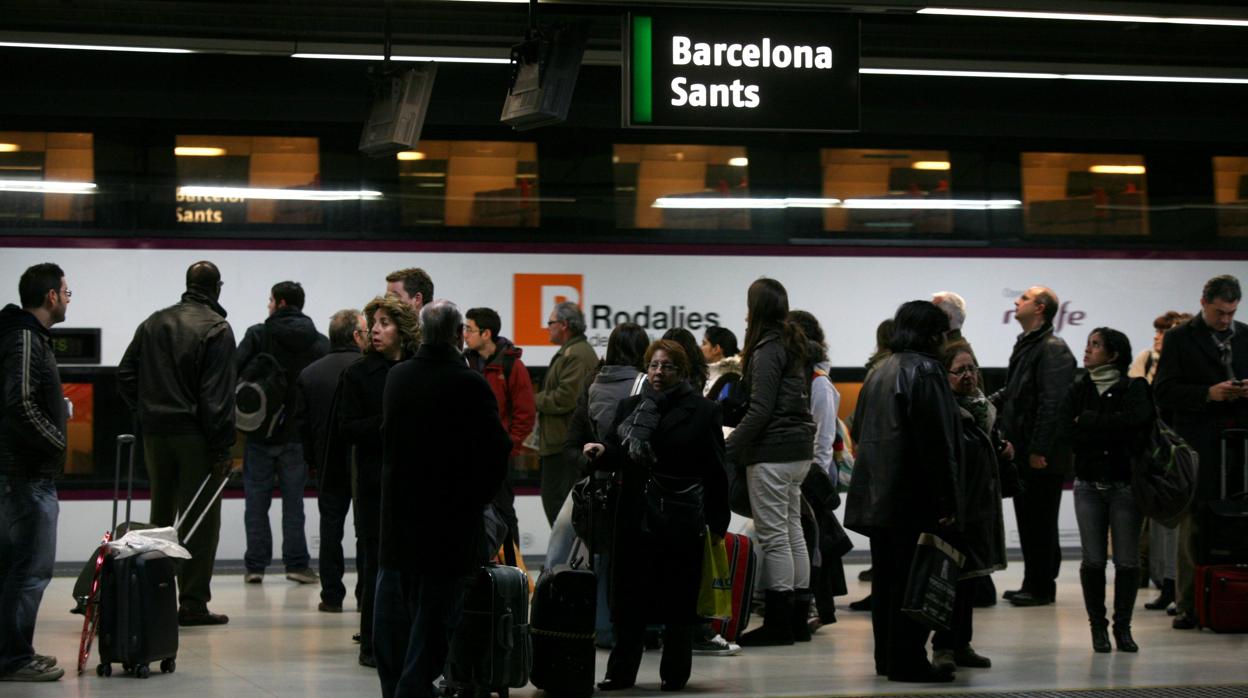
x: 260, y: 395
x: 1163, y: 475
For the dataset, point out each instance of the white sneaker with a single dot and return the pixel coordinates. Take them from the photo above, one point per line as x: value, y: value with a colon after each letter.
x: 253, y: 577
x: 716, y: 647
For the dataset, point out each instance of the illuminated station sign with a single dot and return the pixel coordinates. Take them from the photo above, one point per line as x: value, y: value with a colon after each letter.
x: 769, y: 72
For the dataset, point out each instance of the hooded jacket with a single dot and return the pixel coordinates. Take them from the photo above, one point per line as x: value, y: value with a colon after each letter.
x: 293, y: 340
x: 513, y: 388
x: 178, y: 373
x: 1041, y: 371
x: 32, y: 417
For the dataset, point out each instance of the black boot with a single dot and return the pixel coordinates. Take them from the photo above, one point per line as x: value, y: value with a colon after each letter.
x: 777, y: 627
x: 801, y: 614
x: 1166, y: 598
x: 1093, y: 583
x: 1126, y: 587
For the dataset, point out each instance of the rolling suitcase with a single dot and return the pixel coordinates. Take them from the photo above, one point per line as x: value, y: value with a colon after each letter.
x: 1222, y: 598
x: 491, y: 650
x: 1223, y: 525
x: 138, y: 598
x: 741, y: 562
x: 562, y: 624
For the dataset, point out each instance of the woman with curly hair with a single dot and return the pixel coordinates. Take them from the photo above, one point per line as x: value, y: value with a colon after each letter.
x: 394, y: 335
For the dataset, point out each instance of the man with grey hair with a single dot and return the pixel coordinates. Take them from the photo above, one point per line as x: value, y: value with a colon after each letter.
x: 314, y: 399
x: 573, y: 364
x: 444, y: 457
x: 955, y: 307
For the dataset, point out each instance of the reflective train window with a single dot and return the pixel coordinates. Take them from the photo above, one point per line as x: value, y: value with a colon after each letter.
x: 886, y: 191
x: 681, y: 186
x: 1084, y: 194
x: 250, y: 179
x: 47, y: 177
x: 469, y: 183
x: 1230, y: 181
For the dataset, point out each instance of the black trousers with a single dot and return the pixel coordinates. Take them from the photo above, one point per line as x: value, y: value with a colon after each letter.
x: 333, y: 508
x: 368, y: 557
x: 961, y: 629
x: 1037, y: 509
x: 900, y: 642
x: 630, y: 635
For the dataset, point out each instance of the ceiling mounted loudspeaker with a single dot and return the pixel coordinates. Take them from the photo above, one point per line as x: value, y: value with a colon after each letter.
x: 543, y: 75
x: 400, y: 100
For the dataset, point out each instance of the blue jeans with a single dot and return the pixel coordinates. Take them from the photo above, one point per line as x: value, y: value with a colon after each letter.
x: 28, y: 513
x: 261, y: 464
x: 1103, y: 510
x: 413, y: 619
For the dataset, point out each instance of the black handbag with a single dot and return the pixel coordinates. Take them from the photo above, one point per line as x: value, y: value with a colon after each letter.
x: 931, y: 587
x: 593, y: 510
x: 673, y: 506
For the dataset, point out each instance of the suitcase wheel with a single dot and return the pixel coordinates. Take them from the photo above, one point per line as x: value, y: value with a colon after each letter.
x: 168, y: 666
x: 142, y: 671
x: 104, y: 670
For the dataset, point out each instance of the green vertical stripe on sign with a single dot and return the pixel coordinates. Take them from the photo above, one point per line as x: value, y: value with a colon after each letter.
x: 643, y: 63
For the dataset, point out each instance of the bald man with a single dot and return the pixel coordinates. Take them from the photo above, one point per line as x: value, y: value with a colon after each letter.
x: 1041, y: 371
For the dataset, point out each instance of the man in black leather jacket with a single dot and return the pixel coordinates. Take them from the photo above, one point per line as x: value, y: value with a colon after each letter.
x: 178, y: 374
x: 1041, y: 371
x: 32, y: 455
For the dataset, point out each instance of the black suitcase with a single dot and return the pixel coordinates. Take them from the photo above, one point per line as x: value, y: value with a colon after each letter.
x: 562, y: 624
x: 491, y: 650
x: 138, y: 614
x: 1223, y: 523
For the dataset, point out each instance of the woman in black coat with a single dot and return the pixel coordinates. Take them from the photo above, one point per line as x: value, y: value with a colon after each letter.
x: 669, y: 435
x: 1106, y: 418
x: 394, y: 334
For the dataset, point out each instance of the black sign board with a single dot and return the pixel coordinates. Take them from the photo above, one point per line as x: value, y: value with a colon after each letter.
x: 76, y: 345
x: 741, y: 70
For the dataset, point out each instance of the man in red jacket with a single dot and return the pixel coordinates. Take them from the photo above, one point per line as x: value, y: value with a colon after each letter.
x: 499, y: 361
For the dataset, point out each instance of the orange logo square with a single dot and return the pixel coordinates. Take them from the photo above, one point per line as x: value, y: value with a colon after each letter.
x: 535, y: 296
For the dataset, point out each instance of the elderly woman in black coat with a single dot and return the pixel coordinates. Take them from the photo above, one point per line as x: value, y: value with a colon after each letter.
x: 668, y: 445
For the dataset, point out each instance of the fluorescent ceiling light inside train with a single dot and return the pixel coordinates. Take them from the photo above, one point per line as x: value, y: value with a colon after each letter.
x: 33, y: 186
x: 739, y: 162
x: 919, y: 72
x: 933, y: 204
x: 278, y: 194
x: 198, y: 151
x: 1117, y: 169
x: 930, y: 165
x: 92, y: 47
x: 719, y: 203
x: 1083, y: 17
x: 9, y: 147
x: 410, y: 155
x: 378, y: 57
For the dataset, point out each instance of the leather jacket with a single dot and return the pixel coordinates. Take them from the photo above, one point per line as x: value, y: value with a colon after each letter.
x: 1041, y: 372
x: 777, y: 426
x: 178, y: 373
x: 907, y: 429
x: 32, y: 417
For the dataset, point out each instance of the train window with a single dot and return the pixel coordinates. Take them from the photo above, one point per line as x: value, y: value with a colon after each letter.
x: 46, y: 176
x: 889, y: 191
x: 681, y: 186
x: 249, y: 179
x: 469, y: 183
x: 1230, y: 181
x: 1084, y: 194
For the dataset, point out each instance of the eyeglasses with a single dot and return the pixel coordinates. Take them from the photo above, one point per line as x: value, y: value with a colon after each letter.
x: 471, y: 330
x: 552, y: 323
x: 68, y: 293
x: 964, y: 371
x: 663, y: 366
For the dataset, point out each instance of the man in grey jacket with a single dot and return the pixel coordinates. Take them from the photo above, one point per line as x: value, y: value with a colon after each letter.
x: 1041, y: 371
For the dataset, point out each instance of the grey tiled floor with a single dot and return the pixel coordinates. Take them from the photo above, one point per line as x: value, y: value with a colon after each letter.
x: 277, y: 644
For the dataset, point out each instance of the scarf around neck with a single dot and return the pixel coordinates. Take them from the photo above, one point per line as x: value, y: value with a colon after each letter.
x: 980, y: 409
x: 1104, y: 377
x: 637, y: 429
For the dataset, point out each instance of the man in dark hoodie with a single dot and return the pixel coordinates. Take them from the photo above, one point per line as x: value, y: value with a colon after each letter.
x: 275, y: 450
x: 178, y: 374
x: 32, y: 456
x: 499, y: 361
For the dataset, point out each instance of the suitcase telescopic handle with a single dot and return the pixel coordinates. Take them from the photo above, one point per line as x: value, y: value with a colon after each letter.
x: 122, y: 441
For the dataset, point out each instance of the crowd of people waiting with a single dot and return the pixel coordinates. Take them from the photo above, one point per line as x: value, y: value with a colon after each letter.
x: 410, y: 412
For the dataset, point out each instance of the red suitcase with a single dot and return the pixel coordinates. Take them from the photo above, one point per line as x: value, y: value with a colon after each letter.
x: 741, y: 561
x: 1222, y: 598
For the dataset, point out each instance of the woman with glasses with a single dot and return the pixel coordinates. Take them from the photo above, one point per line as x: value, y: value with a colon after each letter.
x: 775, y: 444
x: 667, y: 446
x: 984, y: 456
x: 394, y: 335
x: 1106, y: 418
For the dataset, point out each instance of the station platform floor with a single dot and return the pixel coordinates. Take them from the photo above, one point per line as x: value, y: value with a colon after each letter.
x: 278, y: 644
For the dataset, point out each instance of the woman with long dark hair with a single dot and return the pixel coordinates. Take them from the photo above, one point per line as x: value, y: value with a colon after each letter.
x: 905, y: 479
x: 667, y: 444
x: 1106, y: 417
x: 775, y: 444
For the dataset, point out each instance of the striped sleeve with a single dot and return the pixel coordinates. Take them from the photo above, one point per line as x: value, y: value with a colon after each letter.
x: 37, y: 424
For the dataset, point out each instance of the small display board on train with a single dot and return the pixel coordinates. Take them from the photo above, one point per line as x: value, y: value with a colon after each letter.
x: 717, y: 69
x: 76, y: 345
